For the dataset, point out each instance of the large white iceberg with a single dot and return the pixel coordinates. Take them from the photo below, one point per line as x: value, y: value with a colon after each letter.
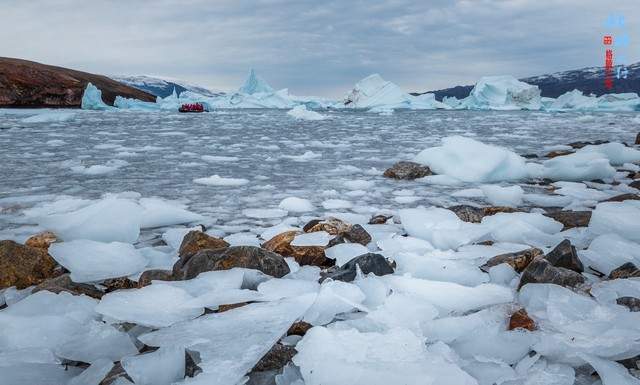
x: 502, y: 93
x: 375, y: 92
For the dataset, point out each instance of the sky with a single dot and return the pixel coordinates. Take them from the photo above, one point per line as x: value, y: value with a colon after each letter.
x: 316, y: 47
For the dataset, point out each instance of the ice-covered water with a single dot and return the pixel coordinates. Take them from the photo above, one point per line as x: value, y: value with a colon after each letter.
x: 337, y: 161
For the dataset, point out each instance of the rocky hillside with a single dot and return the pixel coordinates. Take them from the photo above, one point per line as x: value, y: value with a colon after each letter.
x: 25, y: 83
x: 589, y: 80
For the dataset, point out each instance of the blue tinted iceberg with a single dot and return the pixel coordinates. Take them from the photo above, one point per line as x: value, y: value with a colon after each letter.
x: 92, y: 99
x: 503, y: 93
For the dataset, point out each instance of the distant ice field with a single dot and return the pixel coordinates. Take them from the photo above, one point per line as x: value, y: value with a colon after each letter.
x: 227, y: 164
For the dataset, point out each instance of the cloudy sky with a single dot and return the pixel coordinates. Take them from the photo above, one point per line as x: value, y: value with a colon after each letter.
x: 315, y: 47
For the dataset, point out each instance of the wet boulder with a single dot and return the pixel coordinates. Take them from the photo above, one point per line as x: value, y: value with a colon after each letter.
x: 41, y: 240
x: 632, y: 303
x: 379, y: 219
x: 623, y: 197
x: 368, y: 263
x: 23, y: 266
x: 196, y: 240
x: 276, y: 358
x: 468, y: 213
x: 521, y: 320
x: 63, y: 283
x: 304, y: 255
x: 356, y: 234
x: 154, y: 275
x: 565, y: 255
x: 407, y: 171
x: 333, y: 226
x: 635, y: 184
x: 557, y: 153
x: 627, y: 270
x: 542, y: 271
x: 570, y: 219
x: 519, y: 260
x: 249, y: 257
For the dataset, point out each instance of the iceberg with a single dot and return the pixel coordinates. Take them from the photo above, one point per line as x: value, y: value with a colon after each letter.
x: 301, y: 112
x: 503, y: 93
x: 573, y: 100
x: 375, y: 92
x: 92, y: 99
x: 255, y: 84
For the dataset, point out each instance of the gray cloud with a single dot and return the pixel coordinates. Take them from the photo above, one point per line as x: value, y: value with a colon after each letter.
x: 314, y: 47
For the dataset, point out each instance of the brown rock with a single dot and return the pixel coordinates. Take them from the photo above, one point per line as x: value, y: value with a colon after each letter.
x: 571, y: 219
x: 223, y: 308
x: 249, y: 257
x: 64, y: 283
x: 521, y: 320
x: 304, y: 255
x: 632, y: 303
x: 541, y: 271
x: 154, y: 275
x: 519, y: 260
x: 627, y: 270
x: 581, y: 144
x: 333, y: 226
x: 120, y: 283
x: 407, y: 171
x: 379, y: 219
x: 195, y: 241
x: 41, y: 240
x: 279, y: 356
x: 556, y: 153
x: 637, y: 139
x: 468, y: 213
x: 356, y: 234
x: 565, y: 255
x: 635, y: 184
x: 492, y: 210
x: 623, y: 197
x: 23, y: 266
x: 299, y: 328
x: 25, y: 83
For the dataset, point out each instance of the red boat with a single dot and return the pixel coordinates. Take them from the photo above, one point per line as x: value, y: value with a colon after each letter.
x: 192, y: 107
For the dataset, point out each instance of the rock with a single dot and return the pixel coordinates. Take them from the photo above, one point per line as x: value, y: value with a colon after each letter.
x: 627, y: 270
x: 519, y: 260
x: 578, y: 145
x: 635, y: 184
x: 299, y: 328
x: 41, y: 240
x: 304, y: 255
x: 637, y: 139
x: 154, y: 275
x: 379, y: 219
x: 565, y: 255
x: 25, y: 83
x: 279, y: 356
x: 631, y: 363
x: 356, y: 234
x: 556, y: 153
x: 623, y: 197
x: 632, y: 303
x: 249, y: 257
x: 310, y: 225
x: 521, y: 320
x: 23, y: 266
x: 468, y: 213
x: 570, y: 219
x: 492, y: 210
x: 64, y: 283
x: 333, y: 226
x: 120, y: 283
x: 114, y: 374
x: 191, y: 363
x: 195, y: 241
x: 407, y: 171
x: 530, y: 156
x: 542, y: 271
x: 223, y: 308
x: 369, y: 263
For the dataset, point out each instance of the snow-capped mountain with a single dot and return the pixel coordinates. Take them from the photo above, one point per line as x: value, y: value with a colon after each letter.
x: 163, y: 87
x: 589, y: 80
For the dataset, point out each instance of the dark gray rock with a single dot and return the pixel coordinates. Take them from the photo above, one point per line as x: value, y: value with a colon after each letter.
x: 627, y: 270
x: 519, y: 260
x: 64, y: 283
x: 632, y: 303
x: 279, y: 356
x: 407, y: 171
x: 571, y: 219
x: 565, y: 255
x: 541, y: 271
x: 249, y: 257
x: 369, y: 263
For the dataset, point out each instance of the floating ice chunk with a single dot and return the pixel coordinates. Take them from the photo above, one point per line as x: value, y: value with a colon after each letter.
x: 278, y: 288
x: 610, y: 372
x: 97, y: 342
x: 280, y: 228
x: 217, y: 180
x: 450, y: 296
x: 404, y: 311
x: 154, y: 306
x: 307, y: 156
x: 458, y: 157
x: 100, y: 169
x: 334, y: 204
x: 231, y: 343
x: 503, y: 196
x: 335, y: 297
x: 92, y: 99
x: 397, y: 243
x: 94, y: 374
x: 607, y: 292
x: 528, y: 228
x: 159, y: 212
x: 616, y: 153
x: 242, y: 239
x: 213, y: 299
x: 218, y: 158
x: 337, y: 357
x: 344, y: 252
x: 577, y: 167
x: 440, y: 227
x: 490, y: 373
x: 255, y: 84
x: 107, y: 220
x: 450, y: 329
x: 496, y: 345
x: 436, y: 269
x: 50, y: 117
x: 503, y: 93
x: 165, y: 366
x: 574, y: 100
x: 502, y: 274
x: 91, y: 261
x: 609, y: 251
x: 618, y: 218
x: 296, y: 205
x: 174, y: 237
x: 301, y: 112
x: 41, y: 374
x: 359, y: 184
x: 264, y: 213
x: 316, y: 238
